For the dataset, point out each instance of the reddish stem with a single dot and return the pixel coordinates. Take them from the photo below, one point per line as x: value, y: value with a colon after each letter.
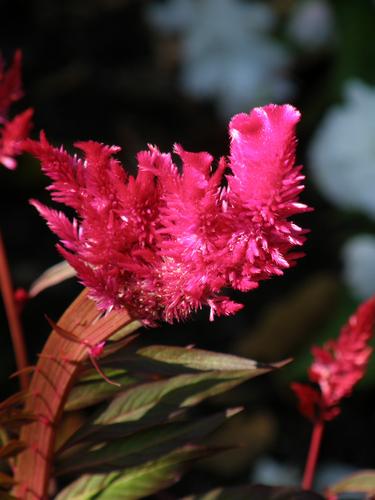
x: 53, y: 377
x: 14, y: 322
x: 312, y: 458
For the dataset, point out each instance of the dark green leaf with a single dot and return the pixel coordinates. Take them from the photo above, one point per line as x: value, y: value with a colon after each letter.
x: 90, y: 393
x: 154, y: 402
x: 143, y: 446
x: 133, y: 483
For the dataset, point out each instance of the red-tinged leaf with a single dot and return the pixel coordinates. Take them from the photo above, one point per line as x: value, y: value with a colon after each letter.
x: 14, y: 400
x: 360, y: 482
x: 15, y: 419
x: 51, y: 277
x: 64, y: 333
x: 5, y: 481
x: 11, y: 449
x: 27, y: 369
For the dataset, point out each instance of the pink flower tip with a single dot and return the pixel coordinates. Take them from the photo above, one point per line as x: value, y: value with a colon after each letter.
x: 97, y: 350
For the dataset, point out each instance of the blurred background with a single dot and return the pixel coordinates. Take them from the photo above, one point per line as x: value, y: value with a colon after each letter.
x: 135, y: 72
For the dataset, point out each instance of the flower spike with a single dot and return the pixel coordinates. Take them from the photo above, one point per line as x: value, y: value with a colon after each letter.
x: 12, y: 132
x: 338, y: 366
x: 165, y: 243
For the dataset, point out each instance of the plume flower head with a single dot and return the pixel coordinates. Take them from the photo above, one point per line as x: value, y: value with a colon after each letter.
x: 167, y: 242
x: 338, y: 366
x: 13, y: 131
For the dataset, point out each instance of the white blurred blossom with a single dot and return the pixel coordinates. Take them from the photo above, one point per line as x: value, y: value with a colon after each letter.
x: 342, y: 153
x: 268, y: 471
x: 311, y: 24
x: 227, y: 52
x: 358, y: 255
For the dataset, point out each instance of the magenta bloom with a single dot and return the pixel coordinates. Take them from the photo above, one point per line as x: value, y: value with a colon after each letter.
x: 165, y: 243
x: 338, y: 366
x: 12, y: 132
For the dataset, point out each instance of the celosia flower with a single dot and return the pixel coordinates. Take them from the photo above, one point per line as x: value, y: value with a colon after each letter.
x: 338, y: 366
x: 165, y: 243
x: 12, y: 132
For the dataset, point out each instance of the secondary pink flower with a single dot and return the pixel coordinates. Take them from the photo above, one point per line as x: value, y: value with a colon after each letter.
x: 12, y: 132
x: 165, y: 243
x: 338, y: 366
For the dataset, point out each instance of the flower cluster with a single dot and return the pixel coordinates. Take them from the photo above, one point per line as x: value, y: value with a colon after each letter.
x: 12, y: 132
x: 166, y: 242
x: 338, y: 366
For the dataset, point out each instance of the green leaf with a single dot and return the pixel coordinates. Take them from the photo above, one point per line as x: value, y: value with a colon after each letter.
x: 151, y: 403
x: 166, y: 360
x: 51, y: 277
x: 87, y: 486
x: 143, y: 446
x: 126, y: 330
x: 197, y: 359
x: 91, y: 375
x: 133, y: 483
x: 90, y: 393
x: 360, y: 482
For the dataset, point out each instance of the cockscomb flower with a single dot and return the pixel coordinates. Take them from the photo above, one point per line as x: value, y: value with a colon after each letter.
x: 168, y: 241
x: 338, y: 366
x: 12, y: 132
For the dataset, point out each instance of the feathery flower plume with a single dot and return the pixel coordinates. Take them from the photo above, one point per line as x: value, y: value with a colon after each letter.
x: 12, y: 132
x: 165, y: 243
x: 338, y: 366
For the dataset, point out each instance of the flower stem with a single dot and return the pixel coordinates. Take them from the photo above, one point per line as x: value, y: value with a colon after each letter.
x: 56, y: 371
x: 14, y: 322
x: 312, y: 458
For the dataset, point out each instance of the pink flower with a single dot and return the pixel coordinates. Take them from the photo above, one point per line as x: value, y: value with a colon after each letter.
x: 338, y: 366
x: 12, y: 132
x: 165, y: 243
